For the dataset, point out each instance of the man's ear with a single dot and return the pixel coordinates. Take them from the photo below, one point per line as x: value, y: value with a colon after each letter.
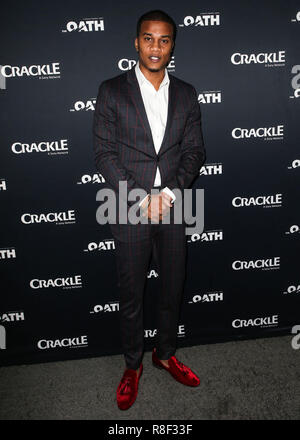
x: 136, y: 44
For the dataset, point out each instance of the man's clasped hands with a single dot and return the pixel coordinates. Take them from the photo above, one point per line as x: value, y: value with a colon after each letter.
x: 156, y: 206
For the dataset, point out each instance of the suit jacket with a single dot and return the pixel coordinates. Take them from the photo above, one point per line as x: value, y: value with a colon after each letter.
x: 122, y: 138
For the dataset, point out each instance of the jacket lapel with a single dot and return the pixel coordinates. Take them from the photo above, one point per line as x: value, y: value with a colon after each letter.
x: 136, y: 96
x: 171, y: 110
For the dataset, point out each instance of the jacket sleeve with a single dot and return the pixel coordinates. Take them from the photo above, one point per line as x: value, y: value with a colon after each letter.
x: 104, y: 143
x: 193, y: 153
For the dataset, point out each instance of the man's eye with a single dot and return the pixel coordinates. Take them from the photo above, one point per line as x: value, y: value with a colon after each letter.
x: 147, y: 38
x: 165, y: 41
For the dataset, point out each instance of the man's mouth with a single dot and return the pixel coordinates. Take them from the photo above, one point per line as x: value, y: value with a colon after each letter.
x: 154, y: 59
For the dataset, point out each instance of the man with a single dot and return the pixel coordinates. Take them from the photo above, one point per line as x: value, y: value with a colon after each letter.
x: 147, y: 132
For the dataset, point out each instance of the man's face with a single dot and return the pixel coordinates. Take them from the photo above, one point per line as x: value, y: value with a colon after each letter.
x: 154, y: 44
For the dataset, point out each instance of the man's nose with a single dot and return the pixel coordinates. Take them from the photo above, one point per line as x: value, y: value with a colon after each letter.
x: 155, y: 46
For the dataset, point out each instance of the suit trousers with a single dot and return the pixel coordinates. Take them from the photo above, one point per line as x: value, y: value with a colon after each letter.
x: 167, y: 243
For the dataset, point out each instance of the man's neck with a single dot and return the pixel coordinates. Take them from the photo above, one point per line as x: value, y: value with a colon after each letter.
x: 154, y: 77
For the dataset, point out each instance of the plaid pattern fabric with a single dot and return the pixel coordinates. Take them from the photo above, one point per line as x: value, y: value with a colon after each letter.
x: 123, y: 144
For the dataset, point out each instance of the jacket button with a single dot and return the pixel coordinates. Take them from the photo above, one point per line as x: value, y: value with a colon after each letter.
x: 157, y: 159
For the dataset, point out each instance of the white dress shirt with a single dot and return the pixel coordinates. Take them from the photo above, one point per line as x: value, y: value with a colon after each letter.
x: 156, y: 106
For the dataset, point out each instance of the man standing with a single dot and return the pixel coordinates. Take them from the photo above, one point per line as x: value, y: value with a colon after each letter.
x: 147, y: 133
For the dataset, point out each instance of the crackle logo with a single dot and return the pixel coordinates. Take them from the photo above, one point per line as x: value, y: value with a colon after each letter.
x: 261, y: 264
x: 210, y: 97
x: 203, y: 19
x: 3, y: 186
x: 73, y: 282
x: 59, y: 218
x: 295, y: 81
x: 271, y: 201
x: 88, y: 105
x: 40, y: 71
x: 207, y: 236
x: 294, y: 229
x: 151, y: 333
x: 107, y: 244
x: 49, y: 147
x: 76, y: 342
x: 262, y: 322
x: 7, y: 253
x: 267, y: 133
x: 85, y: 25
x: 292, y: 290
x: 112, y: 306
x: 91, y: 178
x: 211, y: 169
x: 12, y: 316
x: 271, y: 59
x: 125, y: 64
x: 207, y: 297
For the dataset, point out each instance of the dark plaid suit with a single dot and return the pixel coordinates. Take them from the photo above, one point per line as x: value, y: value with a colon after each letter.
x: 124, y: 150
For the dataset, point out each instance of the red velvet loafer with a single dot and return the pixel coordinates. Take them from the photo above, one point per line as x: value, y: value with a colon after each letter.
x: 128, y: 388
x: 178, y: 370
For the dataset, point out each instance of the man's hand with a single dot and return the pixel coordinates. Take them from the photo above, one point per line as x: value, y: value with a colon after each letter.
x: 158, y: 207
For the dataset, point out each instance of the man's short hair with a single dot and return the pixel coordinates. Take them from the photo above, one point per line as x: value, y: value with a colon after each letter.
x: 156, y: 15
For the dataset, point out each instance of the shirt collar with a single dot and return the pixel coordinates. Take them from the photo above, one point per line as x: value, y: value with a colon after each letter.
x: 142, y: 79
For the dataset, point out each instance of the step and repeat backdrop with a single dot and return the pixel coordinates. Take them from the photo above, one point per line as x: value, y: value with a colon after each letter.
x: 59, y: 294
